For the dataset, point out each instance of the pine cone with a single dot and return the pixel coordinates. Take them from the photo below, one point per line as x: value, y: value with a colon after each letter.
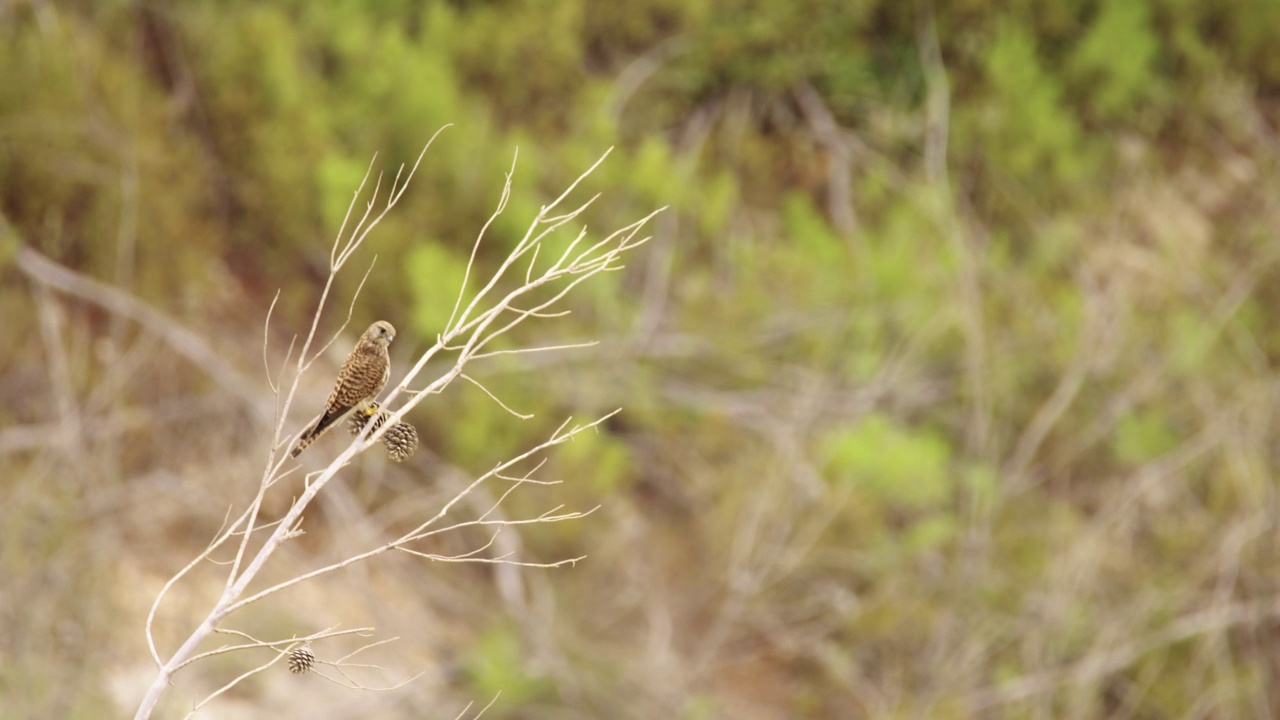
x: 401, y: 439
x: 301, y: 659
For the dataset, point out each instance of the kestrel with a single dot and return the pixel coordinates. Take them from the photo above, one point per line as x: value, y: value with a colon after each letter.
x: 401, y: 439
x: 362, y: 377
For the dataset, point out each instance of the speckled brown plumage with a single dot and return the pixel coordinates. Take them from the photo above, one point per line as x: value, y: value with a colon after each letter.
x: 362, y: 377
x: 400, y: 440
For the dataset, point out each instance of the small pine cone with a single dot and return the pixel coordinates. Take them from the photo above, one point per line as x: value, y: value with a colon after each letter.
x: 301, y: 659
x: 401, y: 440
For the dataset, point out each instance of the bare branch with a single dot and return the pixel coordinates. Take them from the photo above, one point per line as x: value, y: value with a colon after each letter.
x: 473, y: 324
x: 492, y: 561
x: 493, y: 397
x: 546, y: 517
x: 575, y: 183
x: 475, y: 247
x: 530, y: 350
x: 368, y: 646
x: 266, y: 340
x: 350, y: 310
x: 362, y: 230
x: 181, y: 340
x: 528, y: 273
x: 220, y: 537
x: 353, y: 685
x: 240, y: 678
x: 483, y: 710
x: 255, y: 644
x: 333, y: 253
x: 418, y: 532
x: 516, y: 482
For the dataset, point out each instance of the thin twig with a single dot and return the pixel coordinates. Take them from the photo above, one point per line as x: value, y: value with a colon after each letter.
x: 475, y: 247
x: 493, y: 397
x: 266, y: 340
x: 220, y: 537
x: 256, y: 644
x: 240, y: 678
x: 351, y: 307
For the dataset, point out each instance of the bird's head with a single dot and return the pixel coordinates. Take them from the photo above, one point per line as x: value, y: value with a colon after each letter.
x: 380, y: 333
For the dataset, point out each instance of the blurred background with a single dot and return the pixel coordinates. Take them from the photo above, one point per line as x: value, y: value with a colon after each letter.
x: 948, y: 375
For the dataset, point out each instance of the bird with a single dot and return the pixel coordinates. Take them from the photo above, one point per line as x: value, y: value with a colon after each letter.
x: 401, y: 439
x: 363, y: 375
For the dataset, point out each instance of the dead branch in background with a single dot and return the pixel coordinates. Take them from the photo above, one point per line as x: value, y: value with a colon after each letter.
x: 180, y: 339
x: 475, y: 322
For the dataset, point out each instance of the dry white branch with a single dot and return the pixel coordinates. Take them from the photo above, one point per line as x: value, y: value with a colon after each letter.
x: 352, y: 684
x: 475, y: 322
x: 266, y: 341
x: 222, y: 536
x: 526, y: 351
x: 256, y: 644
x: 501, y: 560
x: 422, y: 530
x: 483, y: 710
x: 493, y: 397
x: 351, y: 308
x: 367, y: 646
x: 235, y: 681
x: 342, y: 664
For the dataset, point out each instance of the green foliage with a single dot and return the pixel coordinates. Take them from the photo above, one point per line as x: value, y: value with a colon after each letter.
x: 932, y: 532
x: 773, y: 45
x: 337, y: 178
x: 983, y: 486
x: 1117, y: 81
x: 1192, y: 337
x: 1028, y: 130
x: 813, y: 241
x: 893, y: 464
x: 600, y: 459
x: 435, y: 274
x: 717, y: 204
x: 496, y: 667
x: 700, y: 707
x: 1143, y: 436
x: 489, y: 431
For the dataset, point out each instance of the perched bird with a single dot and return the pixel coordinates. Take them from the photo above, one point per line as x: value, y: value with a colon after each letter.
x: 401, y: 439
x: 362, y: 377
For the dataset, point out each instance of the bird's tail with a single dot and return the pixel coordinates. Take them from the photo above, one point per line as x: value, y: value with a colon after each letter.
x: 314, y: 432
x: 304, y: 442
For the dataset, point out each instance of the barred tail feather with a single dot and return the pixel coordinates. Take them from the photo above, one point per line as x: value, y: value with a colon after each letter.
x: 303, y: 444
x: 314, y: 433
